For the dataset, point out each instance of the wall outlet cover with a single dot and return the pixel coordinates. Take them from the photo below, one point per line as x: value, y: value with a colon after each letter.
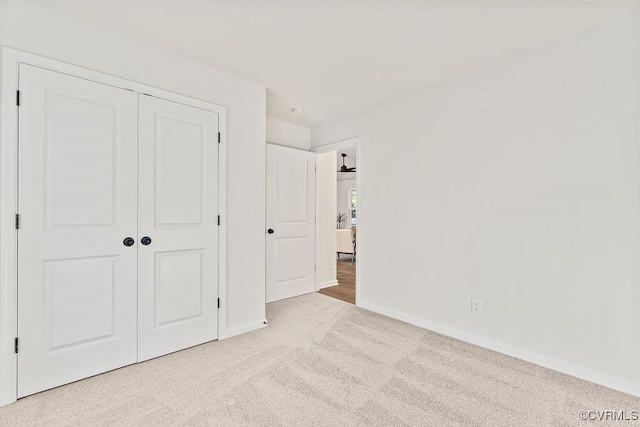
x: 476, y: 306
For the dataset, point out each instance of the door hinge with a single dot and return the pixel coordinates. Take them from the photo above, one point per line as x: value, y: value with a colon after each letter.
x: 15, y: 345
x: 17, y: 221
x: 218, y: 302
x: 18, y: 98
x: 218, y: 219
x: 218, y: 137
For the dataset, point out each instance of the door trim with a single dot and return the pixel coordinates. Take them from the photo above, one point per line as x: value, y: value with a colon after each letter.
x: 11, y: 59
x: 341, y: 145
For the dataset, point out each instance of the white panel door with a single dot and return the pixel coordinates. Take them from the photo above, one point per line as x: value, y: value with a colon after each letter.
x: 291, y: 229
x: 178, y: 213
x: 77, y: 203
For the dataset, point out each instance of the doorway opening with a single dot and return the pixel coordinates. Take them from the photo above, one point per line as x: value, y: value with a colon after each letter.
x: 338, y: 243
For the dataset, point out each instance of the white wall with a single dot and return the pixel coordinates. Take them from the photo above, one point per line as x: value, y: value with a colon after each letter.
x: 343, y: 199
x: 280, y: 132
x: 326, y: 179
x: 518, y: 185
x: 37, y: 30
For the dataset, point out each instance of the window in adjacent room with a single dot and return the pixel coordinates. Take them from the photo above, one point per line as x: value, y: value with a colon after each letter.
x: 353, y: 202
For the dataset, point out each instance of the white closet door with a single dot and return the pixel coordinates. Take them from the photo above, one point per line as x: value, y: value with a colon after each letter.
x: 291, y: 235
x: 77, y: 203
x: 178, y: 213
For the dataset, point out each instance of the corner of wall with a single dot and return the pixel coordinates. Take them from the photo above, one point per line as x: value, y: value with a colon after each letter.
x: 287, y: 134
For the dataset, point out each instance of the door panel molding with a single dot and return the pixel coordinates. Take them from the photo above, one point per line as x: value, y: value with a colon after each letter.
x: 9, y: 79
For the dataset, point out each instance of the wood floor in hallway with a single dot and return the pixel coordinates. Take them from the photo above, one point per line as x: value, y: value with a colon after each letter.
x: 346, y: 290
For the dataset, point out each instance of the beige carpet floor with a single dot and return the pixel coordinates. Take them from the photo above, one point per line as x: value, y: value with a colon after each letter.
x: 324, y: 362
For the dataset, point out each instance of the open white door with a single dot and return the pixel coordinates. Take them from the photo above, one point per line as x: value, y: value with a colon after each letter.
x: 291, y: 229
x: 76, y: 277
x: 178, y: 227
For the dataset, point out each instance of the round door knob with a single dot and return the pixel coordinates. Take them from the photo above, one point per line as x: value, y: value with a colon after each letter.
x: 270, y: 231
x: 146, y: 240
x: 128, y: 241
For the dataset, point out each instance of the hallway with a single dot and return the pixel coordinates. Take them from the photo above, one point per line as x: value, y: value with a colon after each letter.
x: 346, y: 290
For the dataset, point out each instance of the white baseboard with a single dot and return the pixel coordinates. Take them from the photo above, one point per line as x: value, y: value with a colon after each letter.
x: 328, y: 284
x: 243, y: 329
x: 536, y: 358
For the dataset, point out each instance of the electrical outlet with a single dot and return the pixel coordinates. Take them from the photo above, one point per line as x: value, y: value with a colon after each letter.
x: 476, y: 306
x: 330, y: 265
x: 331, y: 208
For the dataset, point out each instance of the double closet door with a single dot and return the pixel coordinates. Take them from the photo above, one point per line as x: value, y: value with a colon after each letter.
x: 118, y: 233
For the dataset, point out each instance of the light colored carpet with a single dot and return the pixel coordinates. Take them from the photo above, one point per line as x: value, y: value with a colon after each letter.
x: 324, y: 362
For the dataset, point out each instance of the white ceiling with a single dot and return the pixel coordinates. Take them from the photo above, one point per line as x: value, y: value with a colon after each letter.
x: 337, y: 58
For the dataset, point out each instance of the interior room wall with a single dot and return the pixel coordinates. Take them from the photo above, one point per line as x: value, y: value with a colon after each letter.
x: 326, y: 179
x: 32, y: 28
x: 280, y: 132
x: 343, y: 199
x: 518, y: 185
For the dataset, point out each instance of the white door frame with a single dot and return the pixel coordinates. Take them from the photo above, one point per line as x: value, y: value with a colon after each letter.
x: 11, y: 59
x: 336, y: 146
